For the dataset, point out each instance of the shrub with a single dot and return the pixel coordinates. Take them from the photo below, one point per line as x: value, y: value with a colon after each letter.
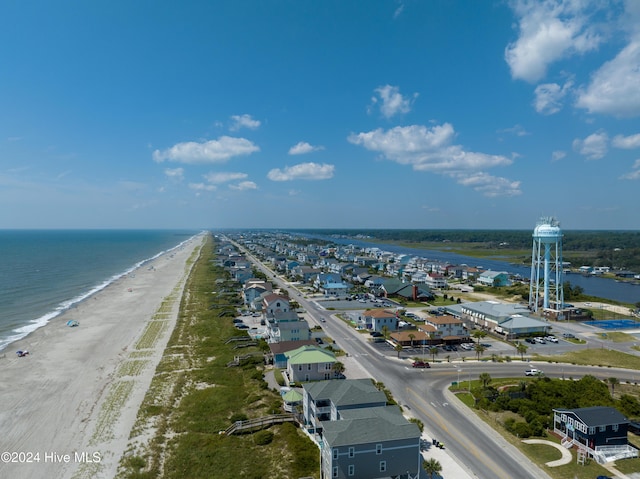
x: 262, y: 438
x: 238, y: 417
x: 521, y: 429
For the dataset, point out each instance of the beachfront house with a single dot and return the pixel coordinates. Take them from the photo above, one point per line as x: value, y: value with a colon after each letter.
x: 327, y: 400
x: 274, y: 303
x: 310, y: 363
x: 286, y: 326
x: 376, y: 442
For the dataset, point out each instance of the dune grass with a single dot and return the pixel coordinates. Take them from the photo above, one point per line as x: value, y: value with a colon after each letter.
x: 194, y: 396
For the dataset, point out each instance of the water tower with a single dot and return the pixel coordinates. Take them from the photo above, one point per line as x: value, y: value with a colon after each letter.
x: 546, y: 266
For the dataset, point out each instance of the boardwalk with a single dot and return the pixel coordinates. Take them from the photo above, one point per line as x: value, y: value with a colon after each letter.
x: 259, y: 423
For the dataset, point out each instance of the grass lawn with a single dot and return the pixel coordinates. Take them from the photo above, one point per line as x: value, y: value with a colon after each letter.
x: 594, y: 357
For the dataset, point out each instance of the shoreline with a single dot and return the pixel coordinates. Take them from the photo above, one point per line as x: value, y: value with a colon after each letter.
x: 61, y: 308
x: 69, y: 406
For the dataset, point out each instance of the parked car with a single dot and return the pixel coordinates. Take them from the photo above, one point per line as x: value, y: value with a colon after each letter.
x: 530, y: 340
x: 420, y: 364
x: 533, y: 372
x: 552, y: 339
x: 568, y: 336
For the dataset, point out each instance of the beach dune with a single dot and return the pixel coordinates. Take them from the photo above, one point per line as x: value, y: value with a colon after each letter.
x: 68, y: 407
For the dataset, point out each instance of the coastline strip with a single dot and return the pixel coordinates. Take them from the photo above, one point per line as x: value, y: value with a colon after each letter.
x: 72, y: 402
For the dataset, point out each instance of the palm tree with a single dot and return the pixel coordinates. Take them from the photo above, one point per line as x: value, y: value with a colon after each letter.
x: 398, y: 349
x: 434, y: 352
x: 479, y: 349
x: 613, y: 382
x: 522, y: 349
x: 478, y: 334
x: 412, y: 337
x: 385, y: 332
x: 485, y: 379
x: 431, y: 466
x: 337, y: 368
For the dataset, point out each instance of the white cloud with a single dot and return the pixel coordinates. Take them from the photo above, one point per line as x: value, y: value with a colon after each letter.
x: 549, y: 30
x: 303, y: 147
x: 594, y: 147
x: 489, y: 185
x: 398, y: 11
x: 213, y: 151
x: 517, y: 130
x: 176, y: 174
x: 426, y: 149
x: 431, y: 149
x: 626, y: 142
x: 202, y: 187
x: 614, y: 87
x: 392, y: 101
x: 243, y: 121
x: 244, y: 185
x: 302, y: 171
x: 223, y: 177
x: 634, y: 174
x: 549, y: 97
x: 558, y: 155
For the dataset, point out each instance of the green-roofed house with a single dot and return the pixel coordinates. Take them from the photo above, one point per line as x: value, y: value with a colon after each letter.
x: 327, y: 400
x: 310, y: 363
x: 376, y: 442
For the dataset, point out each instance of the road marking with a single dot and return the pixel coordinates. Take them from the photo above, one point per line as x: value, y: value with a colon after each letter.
x: 469, y: 446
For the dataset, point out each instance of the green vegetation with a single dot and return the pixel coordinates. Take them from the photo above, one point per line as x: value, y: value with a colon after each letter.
x: 195, y: 395
x: 519, y: 408
x: 595, y: 357
x: 617, y: 249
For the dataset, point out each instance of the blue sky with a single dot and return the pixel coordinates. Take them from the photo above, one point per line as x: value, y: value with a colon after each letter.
x: 346, y: 114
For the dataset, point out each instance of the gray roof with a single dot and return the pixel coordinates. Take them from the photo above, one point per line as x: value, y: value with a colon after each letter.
x: 291, y: 325
x: 519, y: 322
x: 494, y: 309
x: 346, y: 392
x: 597, y: 415
x: 369, y: 425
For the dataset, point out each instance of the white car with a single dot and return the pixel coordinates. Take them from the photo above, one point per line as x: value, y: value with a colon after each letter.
x: 552, y: 339
x: 533, y: 372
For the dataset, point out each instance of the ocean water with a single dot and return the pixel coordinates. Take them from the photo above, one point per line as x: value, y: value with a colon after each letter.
x: 45, y: 272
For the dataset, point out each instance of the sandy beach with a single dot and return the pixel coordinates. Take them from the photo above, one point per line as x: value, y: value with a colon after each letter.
x: 68, y: 407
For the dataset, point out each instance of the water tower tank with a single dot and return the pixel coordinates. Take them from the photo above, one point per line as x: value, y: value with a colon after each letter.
x: 546, y: 266
x: 548, y: 231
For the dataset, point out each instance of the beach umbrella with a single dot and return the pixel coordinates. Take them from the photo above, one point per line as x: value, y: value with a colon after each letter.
x: 71, y: 323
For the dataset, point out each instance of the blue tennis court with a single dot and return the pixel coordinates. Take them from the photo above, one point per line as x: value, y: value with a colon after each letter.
x: 614, y: 323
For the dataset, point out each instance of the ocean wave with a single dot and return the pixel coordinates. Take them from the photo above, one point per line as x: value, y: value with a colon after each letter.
x: 21, y: 332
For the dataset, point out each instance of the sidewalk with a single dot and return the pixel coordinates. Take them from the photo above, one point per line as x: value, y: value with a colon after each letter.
x: 450, y: 468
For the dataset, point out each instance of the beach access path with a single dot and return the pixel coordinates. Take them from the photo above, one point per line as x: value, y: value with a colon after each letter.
x: 67, y: 408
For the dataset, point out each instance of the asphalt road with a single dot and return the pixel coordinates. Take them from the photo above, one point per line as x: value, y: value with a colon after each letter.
x: 424, y: 393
